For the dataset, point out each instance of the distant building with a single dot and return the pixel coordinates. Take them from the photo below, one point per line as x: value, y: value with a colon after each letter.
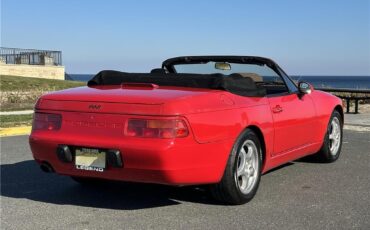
x: 31, y: 63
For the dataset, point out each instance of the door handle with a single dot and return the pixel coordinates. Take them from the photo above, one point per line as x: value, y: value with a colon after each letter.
x: 277, y: 109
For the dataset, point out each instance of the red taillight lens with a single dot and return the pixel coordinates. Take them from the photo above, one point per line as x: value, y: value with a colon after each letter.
x: 47, y: 121
x: 156, y: 128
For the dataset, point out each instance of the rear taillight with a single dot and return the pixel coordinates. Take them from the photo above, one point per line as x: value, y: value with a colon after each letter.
x: 47, y: 121
x: 156, y: 128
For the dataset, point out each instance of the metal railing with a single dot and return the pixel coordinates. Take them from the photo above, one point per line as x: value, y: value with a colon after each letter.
x: 30, y: 56
x: 349, y: 95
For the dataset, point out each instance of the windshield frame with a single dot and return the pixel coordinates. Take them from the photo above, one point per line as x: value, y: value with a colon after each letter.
x: 170, y: 63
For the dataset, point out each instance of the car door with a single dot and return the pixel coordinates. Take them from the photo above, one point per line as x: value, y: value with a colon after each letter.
x: 294, y: 121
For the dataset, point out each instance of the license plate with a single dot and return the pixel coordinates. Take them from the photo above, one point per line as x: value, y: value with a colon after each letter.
x: 90, y: 159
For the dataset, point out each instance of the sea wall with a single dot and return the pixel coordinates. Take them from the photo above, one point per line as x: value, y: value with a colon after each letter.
x: 36, y: 71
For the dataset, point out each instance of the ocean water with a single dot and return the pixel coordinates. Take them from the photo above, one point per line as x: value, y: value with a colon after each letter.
x: 348, y: 82
x: 79, y: 77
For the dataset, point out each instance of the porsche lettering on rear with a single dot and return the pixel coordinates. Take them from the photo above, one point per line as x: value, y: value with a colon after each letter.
x: 94, y: 124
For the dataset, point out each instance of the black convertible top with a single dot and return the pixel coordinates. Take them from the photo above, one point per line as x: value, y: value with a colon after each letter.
x: 233, y: 83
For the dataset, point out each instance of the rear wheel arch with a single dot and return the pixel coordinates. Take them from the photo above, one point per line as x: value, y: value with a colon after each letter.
x: 256, y: 130
x: 230, y: 189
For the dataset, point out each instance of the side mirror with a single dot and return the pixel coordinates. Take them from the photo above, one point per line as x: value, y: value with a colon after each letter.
x: 304, y: 87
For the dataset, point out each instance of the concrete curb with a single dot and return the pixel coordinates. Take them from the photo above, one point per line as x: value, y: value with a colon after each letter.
x: 358, y: 128
x: 22, y: 112
x: 15, y: 131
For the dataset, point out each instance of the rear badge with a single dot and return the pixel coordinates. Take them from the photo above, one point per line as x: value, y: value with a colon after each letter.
x: 94, y: 106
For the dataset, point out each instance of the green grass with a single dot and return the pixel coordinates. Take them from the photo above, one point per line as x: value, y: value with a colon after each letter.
x: 14, y: 83
x: 17, y: 106
x: 21, y: 93
x: 15, y: 120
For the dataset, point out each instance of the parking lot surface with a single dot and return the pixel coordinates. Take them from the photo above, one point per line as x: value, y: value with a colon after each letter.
x: 298, y: 195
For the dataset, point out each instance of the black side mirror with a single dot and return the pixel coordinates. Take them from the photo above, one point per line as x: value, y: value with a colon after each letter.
x: 304, y: 87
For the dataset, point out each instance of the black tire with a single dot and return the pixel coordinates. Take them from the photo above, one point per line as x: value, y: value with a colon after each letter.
x: 326, y: 153
x: 229, y: 189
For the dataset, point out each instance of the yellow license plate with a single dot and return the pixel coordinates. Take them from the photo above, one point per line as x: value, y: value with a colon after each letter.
x: 90, y: 159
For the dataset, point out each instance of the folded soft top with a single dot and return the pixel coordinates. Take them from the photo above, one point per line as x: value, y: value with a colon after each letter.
x: 233, y: 83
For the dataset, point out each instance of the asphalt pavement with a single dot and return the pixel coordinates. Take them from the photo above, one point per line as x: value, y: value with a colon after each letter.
x: 298, y: 195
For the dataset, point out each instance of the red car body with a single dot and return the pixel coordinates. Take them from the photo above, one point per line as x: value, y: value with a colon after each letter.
x: 289, y: 126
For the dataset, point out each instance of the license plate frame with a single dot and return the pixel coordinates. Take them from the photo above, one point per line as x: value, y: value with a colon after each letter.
x: 90, y: 159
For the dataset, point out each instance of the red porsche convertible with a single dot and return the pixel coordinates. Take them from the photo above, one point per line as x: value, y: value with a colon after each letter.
x: 216, y: 120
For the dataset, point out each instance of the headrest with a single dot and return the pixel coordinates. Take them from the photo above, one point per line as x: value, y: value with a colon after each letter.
x: 255, y: 77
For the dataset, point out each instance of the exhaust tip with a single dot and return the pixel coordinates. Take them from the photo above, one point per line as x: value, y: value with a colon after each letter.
x: 46, y: 167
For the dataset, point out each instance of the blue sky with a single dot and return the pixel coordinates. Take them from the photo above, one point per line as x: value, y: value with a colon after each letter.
x: 312, y: 37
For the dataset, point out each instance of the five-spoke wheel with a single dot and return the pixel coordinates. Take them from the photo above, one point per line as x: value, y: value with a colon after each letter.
x: 243, y: 171
x: 247, y: 166
x: 332, y: 145
x: 335, y: 135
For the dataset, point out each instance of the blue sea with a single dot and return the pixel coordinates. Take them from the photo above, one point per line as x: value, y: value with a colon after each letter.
x: 348, y: 82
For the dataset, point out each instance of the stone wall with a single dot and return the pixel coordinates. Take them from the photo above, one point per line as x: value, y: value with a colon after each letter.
x: 37, y: 71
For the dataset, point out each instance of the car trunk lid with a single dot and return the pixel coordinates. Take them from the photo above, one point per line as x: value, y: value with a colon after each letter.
x: 143, y: 99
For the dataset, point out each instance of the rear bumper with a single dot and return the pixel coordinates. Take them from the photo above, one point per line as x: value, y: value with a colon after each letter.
x: 180, y: 161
